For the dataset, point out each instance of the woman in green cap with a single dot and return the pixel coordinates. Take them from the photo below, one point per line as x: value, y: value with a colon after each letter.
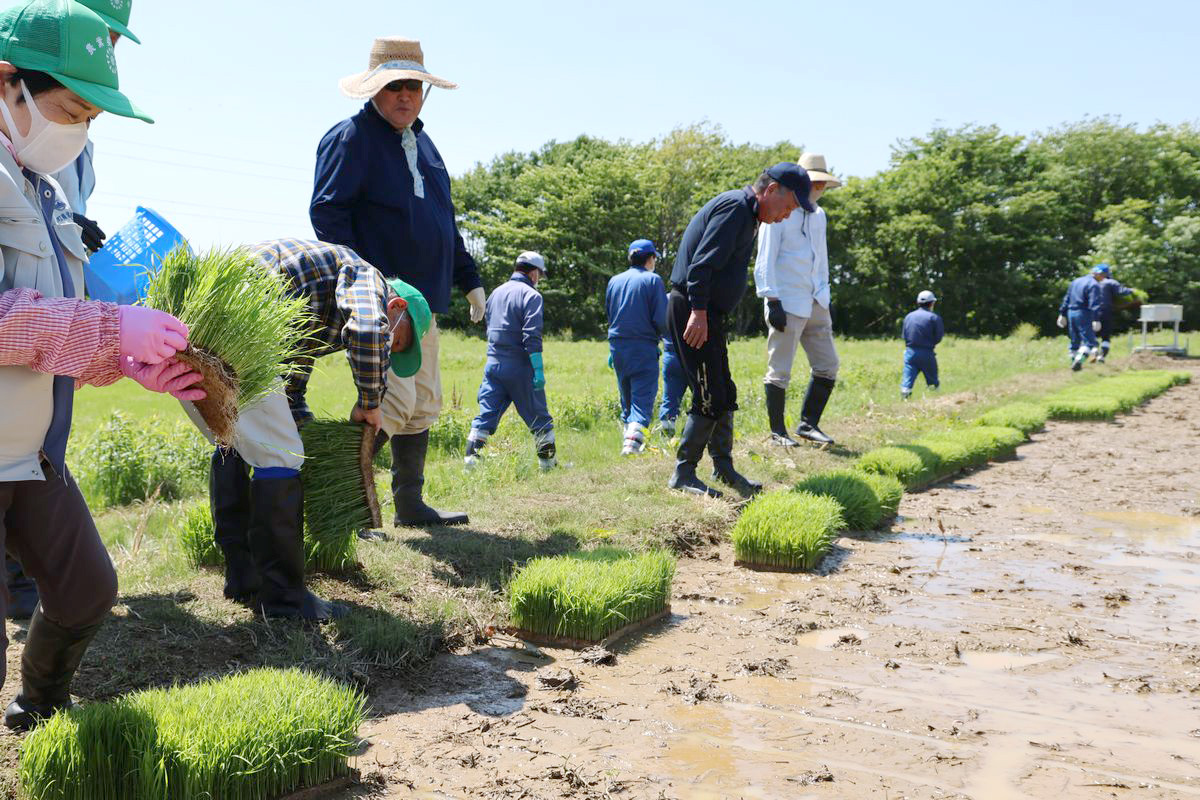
x: 57, y: 73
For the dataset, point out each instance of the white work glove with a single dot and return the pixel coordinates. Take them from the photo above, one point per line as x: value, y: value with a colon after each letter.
x: 478, y: 300
x: 1062, y: 321
x: 1096, y: 325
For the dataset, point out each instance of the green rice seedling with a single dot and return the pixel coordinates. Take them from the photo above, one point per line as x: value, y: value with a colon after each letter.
x: 124, y: 462
x: 339, y: 491
x: 196, y: 538
x: 966, y: 448
x: 861, y: 509
x: 912, y: 465
x: 589, y: 595
x: 1082, y: 408
x: 889, y: 491
x: 244, y: 326
x: 1025, y: 417
x: 258, y: 734
x: 786, y: 530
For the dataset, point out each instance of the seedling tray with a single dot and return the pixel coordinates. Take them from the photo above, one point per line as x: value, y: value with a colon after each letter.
x: 326, y: 789
x: 582, y: 644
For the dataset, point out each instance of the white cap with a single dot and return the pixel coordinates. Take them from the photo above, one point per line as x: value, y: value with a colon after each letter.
x: 532, y: 259
x: 926, y: 297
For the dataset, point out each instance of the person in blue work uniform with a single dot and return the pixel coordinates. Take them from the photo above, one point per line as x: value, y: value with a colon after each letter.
x: 707, y: 282
x: 637, y: 317
x: 1079, y: 313
x: 514, y: 373
x: 1110, y: 290
x: 674, y: 384
x: 923, y: 329
x: 382, y: 190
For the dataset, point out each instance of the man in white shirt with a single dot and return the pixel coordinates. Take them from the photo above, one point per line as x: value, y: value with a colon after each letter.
x: 791, y: 274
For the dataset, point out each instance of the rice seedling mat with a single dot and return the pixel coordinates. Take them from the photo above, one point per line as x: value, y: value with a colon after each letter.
x: 339, y: 488
x: 567, y: 642
x: 324, y: 789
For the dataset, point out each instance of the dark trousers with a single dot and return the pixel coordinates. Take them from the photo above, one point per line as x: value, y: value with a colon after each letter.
x: 713, y: 391
x: 46, y: 525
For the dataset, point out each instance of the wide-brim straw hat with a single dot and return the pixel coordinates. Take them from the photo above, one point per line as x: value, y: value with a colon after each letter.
x: 392, y: 59
x: 814, y: 163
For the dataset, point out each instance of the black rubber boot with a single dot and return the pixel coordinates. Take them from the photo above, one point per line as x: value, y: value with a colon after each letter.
x: 277, y: 542
x: 815, y: 400
x: 696, y: 434
x: 776, y: 402
x: 229, y: 501
x: 408, y: 481
x: 22, y: 591
x: 720, y: 448
x: 51, y: 656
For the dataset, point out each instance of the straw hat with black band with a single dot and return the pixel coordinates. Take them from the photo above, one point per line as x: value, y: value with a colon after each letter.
x: 392, y: 59
x: 814, y: 163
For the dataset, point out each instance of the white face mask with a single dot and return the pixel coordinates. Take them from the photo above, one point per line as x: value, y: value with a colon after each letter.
x: 49, y: 146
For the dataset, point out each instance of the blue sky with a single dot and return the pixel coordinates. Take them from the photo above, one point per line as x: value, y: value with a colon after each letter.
x: 243, y: 90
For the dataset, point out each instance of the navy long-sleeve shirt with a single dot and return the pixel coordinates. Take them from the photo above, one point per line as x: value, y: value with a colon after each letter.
x: 637, y: 305
x: 714, y: 254
x: 923, y: 329
x: 514, y: 320
x: 363, y: 198
x: 1110, y: 290
x: 1083, y: 294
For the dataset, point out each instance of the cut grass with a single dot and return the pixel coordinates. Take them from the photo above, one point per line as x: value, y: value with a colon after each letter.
x: 1025, y: 417
x: 258, y: 734
x: 786, y: 530
x: 589, y: 595
x: 339, y: 492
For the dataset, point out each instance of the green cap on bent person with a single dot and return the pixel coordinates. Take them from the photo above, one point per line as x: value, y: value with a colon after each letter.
x: 70, y: 44
x: 407, y: 363
x: 115, y: 14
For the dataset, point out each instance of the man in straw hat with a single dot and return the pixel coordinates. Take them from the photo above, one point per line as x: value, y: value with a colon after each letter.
x: 381, y: 189
x: 791, y: 274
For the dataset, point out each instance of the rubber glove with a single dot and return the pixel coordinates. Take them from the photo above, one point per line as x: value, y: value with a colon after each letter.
x: 1096, y: 326
x: 539, y: 374
x: 168, y: 376
x: 477, y: 297
x: 1062, y: 321
x: 150, y: 336
x: 776, y: 316
x: 610, y: 361
x: 93, y: 236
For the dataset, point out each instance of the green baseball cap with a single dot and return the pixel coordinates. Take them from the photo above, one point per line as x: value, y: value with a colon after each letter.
x: 70, y: 43
x: 115, y: 14
x: 407, y: 363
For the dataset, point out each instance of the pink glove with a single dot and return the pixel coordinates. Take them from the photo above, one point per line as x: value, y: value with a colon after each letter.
x: 149, y: 336
x: 169, y: 376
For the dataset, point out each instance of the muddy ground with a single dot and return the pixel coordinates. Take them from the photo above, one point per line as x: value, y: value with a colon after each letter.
x: 1029, y: 630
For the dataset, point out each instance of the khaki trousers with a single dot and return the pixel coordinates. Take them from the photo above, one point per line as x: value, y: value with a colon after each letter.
x: 815, y: 334
x: 411, y: 405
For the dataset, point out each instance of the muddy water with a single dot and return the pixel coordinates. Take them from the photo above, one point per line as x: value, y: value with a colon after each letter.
x: 1032, y: 631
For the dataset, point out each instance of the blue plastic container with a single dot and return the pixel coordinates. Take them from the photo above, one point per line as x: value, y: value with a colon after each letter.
x: 120, y: 271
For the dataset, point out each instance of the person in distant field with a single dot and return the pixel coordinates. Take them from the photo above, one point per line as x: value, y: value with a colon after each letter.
x: 636, y: 301
x: 923, y: 329
x: 674, y: 384
x: 1079, y: 313
x: 1110, y: 290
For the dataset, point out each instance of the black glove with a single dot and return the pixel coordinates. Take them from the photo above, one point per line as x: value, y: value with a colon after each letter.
x: 93, y: 237
x: 776, y: 316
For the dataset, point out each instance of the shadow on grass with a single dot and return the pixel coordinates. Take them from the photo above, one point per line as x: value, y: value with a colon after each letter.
x: 470, y: 557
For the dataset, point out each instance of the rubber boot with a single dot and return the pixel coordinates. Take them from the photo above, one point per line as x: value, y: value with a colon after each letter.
x: 229, y: 502
x: 696, y: 433
x: 547, y: 453
x: 1103, y: 354
x: 1080, y: 356
x: 408, y: 483
x: 776, y: 402
x: 51, y: 656
x: 277, y: 542
x: 635, y: 440
x: 476, y: 439
x: 815, y: 400
x: 22, y: 591
x: 720, y: 448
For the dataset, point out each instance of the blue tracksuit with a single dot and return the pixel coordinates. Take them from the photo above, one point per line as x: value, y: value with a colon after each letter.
x: 637, y: 317
x: 1080, y: 305
x: 1110, y: 290
x: 674, y: 379
x: 514, y: 332
x: 923, y: 329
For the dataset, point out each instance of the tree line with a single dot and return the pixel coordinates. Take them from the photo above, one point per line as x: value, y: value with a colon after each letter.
x: 995, y: 224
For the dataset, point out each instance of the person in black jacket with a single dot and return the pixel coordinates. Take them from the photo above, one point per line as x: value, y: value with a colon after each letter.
x: 708, y: 280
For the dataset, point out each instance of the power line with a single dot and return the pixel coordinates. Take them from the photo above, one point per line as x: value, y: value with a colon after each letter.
x: 218, y: 156
x: 142, y: 199
x: 185, y: 213
x: 144, y: 160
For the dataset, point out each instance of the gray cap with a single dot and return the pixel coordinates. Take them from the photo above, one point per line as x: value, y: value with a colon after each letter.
x: 926, y: 297
x: 531, y: 259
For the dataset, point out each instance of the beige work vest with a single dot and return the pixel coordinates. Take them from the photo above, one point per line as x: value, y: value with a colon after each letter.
x: 27, y: 256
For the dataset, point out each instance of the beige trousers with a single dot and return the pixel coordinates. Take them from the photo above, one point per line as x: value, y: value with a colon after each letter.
x: 411, y: 405
x: 815, y: 334
x: 265, y: 434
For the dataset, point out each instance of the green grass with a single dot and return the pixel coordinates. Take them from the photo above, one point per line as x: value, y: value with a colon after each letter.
x: 335, y: 500
x: 862, y: 508
x: 788, y: 530
x: 589, y: 595
x: 196, y: 538
x: 1025, y: 417
x: 257, y: 734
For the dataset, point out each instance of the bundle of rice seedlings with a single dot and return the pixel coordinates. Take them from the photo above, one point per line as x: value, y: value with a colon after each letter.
x: 1025, y: 417
x: 244, y: 325
x: 1082, y: 408
x: 912, y: 465
x: 258, y: 734
x: 965, y: 448
x: 1108, y: 397
x: 589, y: 595
x: 889, y: 492
x: 339, y: 491
x: 861, y: 507
x: 196, y: 538
x: 786, y: 530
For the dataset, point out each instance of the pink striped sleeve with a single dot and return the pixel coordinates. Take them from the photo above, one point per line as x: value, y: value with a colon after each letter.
x: 60, y: 336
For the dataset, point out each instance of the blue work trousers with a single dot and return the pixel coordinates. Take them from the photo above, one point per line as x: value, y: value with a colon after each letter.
x: 919, y: 361
x: 636, y: 365
x: 674, y: 380
x: 1079, y: 326
x: 510, y: 382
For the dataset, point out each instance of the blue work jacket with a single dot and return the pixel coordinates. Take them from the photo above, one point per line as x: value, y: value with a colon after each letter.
x: 514, y: 320
x: 1110, y: 290
x: 714, y: 253
x: 363, y: 198
x: 923, y: 329
x: 637, y: 305
x: 1083, y: 294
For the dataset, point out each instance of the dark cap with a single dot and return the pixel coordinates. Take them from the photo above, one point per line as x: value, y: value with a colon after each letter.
x: 794, y: 177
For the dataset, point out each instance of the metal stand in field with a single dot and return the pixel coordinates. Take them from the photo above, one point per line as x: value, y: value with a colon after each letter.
x: 1162, y: 314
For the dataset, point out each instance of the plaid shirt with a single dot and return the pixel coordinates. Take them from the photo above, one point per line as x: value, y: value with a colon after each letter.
x: 347, y: 298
